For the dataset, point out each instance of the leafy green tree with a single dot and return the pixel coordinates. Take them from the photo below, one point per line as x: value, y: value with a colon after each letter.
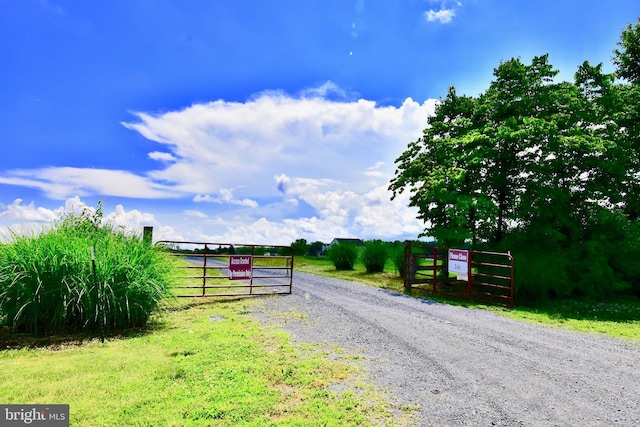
x: 432, y: 169
x: 627, y: 58
x: 300, y: 247
x: 487, y: 166
x: 624, y: 106
x: 316, y: 248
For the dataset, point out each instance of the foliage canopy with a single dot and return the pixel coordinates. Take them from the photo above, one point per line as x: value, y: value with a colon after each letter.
x: 548, y: 169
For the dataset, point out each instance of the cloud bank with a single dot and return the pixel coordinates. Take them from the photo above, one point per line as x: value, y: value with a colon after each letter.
x: 313, y: 165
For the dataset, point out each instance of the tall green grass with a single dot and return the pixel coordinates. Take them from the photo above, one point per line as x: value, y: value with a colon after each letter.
x: 343, y: 256
x: 374, y: 255
x: 50, y: 284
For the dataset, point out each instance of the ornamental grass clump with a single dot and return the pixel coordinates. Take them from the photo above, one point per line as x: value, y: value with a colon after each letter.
x: 343, y: 255
x: 49, y: 282
x: 374, y: 255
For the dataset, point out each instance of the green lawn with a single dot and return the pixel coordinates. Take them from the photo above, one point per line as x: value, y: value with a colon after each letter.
x: 204, y: 363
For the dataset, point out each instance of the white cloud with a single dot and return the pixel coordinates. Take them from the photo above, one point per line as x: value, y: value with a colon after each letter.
x: 324, y: 91
x: 370, y: 214
x: 264, y: 231
x: 225, y: 196
x: 374, y: 171
x: 380, y: 217
x: 242, y: 145
x: 445, y: 13
x: 444, y: 16
x: 339, y: 214
x: 210, y: 147
x: 196, y: 214
x: 18, y: 212
x: 162, y: 156
x: 62, y: 182
x: 134, y: 221
x: 21, y: 218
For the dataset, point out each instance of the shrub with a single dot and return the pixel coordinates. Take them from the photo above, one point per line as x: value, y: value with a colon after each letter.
x: 343, y: 255
x: 398, y: 258
x: 600, y: 260
x: 49, y: 284
x: 374, y: 256
x: 540, y: 275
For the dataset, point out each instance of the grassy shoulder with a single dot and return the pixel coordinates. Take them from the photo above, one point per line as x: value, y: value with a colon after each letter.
x: 616, y: 317
x: 204, y: 363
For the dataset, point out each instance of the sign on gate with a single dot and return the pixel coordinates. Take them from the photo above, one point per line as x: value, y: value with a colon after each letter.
x: 240, y: 267
x: 459, y: 263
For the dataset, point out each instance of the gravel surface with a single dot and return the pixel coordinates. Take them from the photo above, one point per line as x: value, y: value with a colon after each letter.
x: 466, y: 367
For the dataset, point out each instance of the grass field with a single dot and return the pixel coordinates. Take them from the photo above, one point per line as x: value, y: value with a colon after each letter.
x: 204, y: 363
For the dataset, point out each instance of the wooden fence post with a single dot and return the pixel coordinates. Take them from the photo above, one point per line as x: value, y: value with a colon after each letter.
x: 147, y: 235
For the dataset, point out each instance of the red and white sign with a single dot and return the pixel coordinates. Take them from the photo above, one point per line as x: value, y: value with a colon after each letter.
x: 459, y: 263
x: 240, y: 267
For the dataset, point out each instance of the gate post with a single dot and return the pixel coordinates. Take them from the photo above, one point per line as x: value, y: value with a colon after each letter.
x: 147, y: 235
x: 469, y: 274
x: 512, y: 297
x: 434, y: 278
x: 253, y: 253
x: 204, y: 269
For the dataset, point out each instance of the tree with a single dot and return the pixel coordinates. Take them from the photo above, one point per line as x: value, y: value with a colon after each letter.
x: 627, y: 58
x: 432, y: 170
x: 489, y: 165
x: 300, y: 247
x: 626, y: 112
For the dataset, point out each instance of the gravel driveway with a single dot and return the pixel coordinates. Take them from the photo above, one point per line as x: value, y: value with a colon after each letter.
x: 467, y: 367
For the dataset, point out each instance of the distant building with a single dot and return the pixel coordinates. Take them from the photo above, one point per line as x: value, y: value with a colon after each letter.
x: 338, y: 241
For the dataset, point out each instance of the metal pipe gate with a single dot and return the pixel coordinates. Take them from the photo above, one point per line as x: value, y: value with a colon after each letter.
x: 223, y: 269
x: 490, y: 279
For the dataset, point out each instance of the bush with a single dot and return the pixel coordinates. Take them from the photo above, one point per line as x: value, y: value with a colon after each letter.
x: 343, y: 255
x: 597, y: 261
x: 540, y: 275
x: 398, y: 258
x: 48, y: 283
x: 374, y: 256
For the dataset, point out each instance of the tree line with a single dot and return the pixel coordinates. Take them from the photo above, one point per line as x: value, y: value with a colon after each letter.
x: 547, y: 169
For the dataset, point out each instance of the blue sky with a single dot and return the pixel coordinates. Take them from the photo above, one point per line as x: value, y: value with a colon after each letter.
x: 252, y: 121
